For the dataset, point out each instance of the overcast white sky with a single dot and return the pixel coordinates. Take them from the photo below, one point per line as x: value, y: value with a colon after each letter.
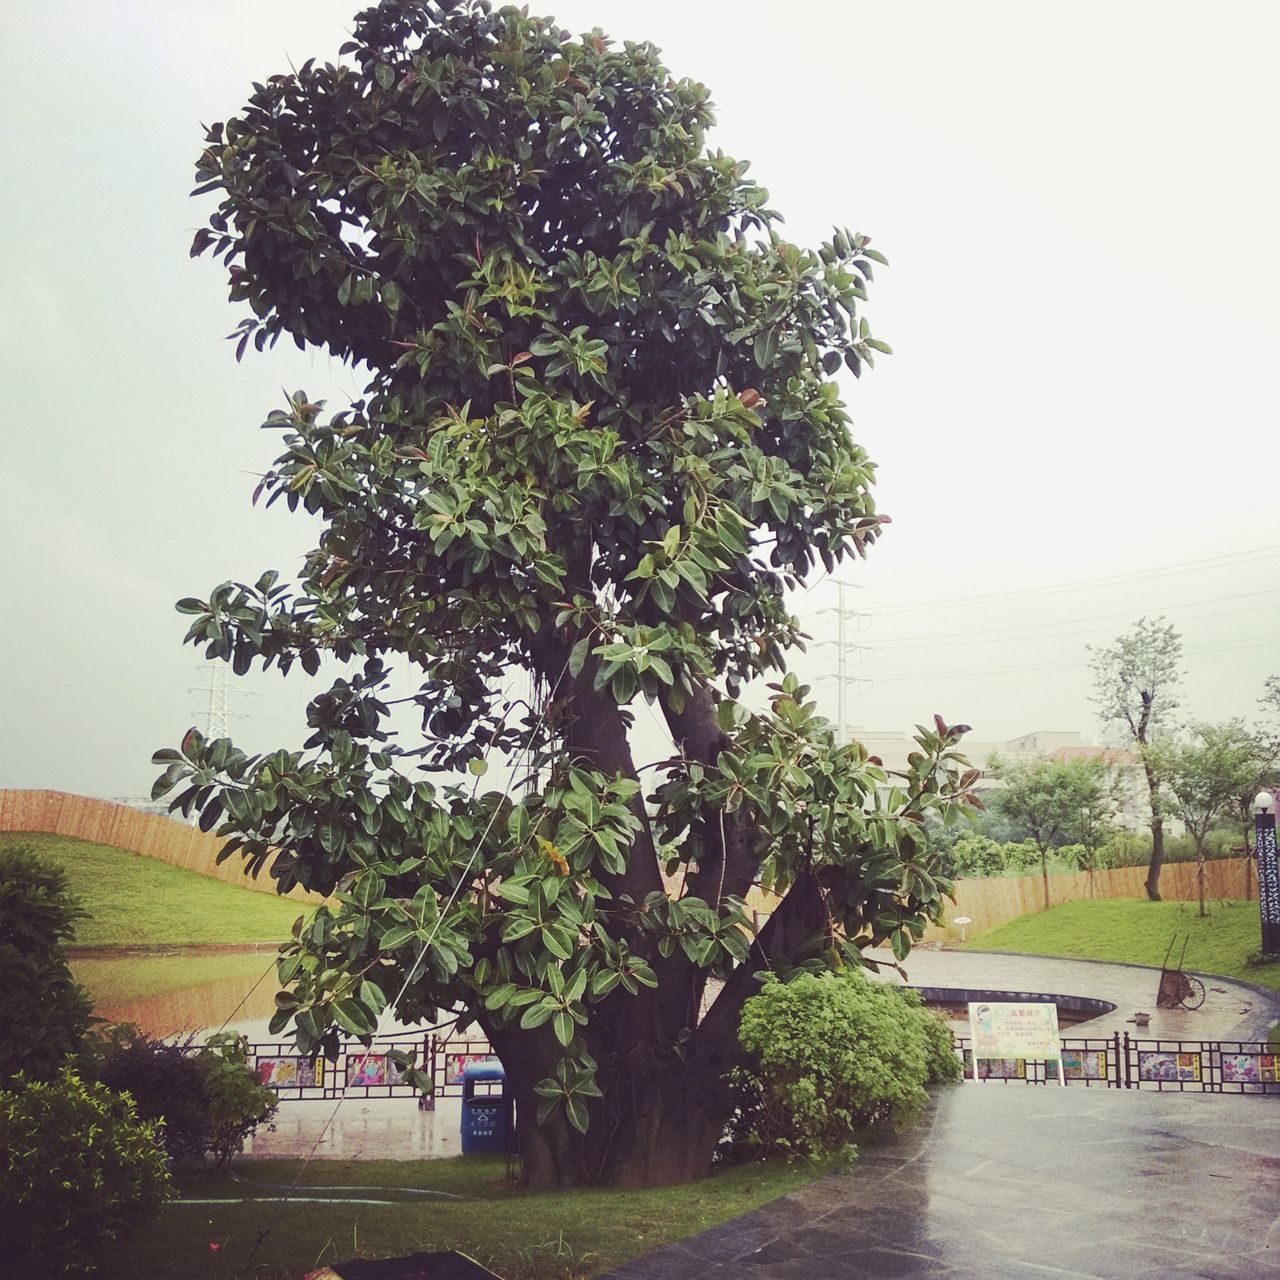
x: 1079, y: 203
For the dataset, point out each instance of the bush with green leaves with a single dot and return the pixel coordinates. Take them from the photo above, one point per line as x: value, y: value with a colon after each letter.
x: 833, y: 1054
x: 78, y: 1172
x: 205, y: 1097
x: 975, y: 856
x: 43, y: 1014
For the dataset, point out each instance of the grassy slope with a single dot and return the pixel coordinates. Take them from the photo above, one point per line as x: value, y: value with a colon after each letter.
x: 1138, y: 932
x: 133, y: 900
x: 521, y: 1235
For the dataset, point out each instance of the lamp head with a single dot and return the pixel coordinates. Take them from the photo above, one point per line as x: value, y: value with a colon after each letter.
x: 1264, y: 802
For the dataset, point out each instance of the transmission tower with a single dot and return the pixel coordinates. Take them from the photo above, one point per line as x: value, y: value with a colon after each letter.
x: 844, y: 617
x: 218, y: 713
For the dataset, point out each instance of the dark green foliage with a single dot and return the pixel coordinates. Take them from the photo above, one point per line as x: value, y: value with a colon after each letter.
x: 599, y: 442
x: 205, y: 1096
x: 78, y: 1172
x: 43, y: 1014
x: 834, y: 1054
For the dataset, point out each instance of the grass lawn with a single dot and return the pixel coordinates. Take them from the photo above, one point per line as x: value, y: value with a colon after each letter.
x: 521, y: 1235
x: 136, y: 901
x: 1138, y: 932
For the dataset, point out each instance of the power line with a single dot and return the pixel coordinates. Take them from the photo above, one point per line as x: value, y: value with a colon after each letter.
x: 1227, y: 560
x: 995, y: 634
x: 1251, y: 642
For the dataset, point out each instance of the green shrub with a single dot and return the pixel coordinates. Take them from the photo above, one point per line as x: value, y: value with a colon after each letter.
x: 238, y: 1104
x: 976, y: 855
x: 43, y: 1014
x: 206, y: 1096
x: 833, y: 1054
x: 78, y: 1171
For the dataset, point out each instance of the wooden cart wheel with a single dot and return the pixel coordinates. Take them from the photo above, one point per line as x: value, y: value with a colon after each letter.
x: 1194, y: 997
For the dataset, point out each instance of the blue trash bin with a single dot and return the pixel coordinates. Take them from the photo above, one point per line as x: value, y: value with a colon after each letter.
x: 486, y: 1117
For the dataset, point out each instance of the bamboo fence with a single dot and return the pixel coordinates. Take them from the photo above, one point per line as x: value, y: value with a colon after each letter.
x: 150, y: 834
x: 993, y: 901
x: 986, y: 902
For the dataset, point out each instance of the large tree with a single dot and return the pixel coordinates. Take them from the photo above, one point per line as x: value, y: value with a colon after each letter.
x: 599, y: 442
x: 1135, y: 686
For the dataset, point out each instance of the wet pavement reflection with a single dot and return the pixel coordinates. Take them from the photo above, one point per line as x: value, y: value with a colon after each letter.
x: 1008, y: 1181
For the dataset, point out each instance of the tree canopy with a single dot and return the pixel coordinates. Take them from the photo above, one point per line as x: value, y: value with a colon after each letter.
x: 600, y: 441
x: 1057, y: 801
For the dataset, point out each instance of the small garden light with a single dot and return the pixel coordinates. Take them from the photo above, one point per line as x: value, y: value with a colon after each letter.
x: 1263, y: 802
x: 963, y: 922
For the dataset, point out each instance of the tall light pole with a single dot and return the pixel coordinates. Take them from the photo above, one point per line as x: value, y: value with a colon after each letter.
x: 1264, y: 831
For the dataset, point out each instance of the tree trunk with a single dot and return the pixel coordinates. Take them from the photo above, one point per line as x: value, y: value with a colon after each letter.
x: 1044, y: 875
x: 1200, y: 869
x: 662, y: 1136
x: 1157, y: 859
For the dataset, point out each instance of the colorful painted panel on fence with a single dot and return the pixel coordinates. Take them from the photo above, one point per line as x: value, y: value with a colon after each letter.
x: 1250, y: 1068
x: 372, y: 1070
x: 291, y: 1072
x: 1176, y: 1068
x: 1085, y: 1064
x: 1006, y: 1030
x: 455, y: 1062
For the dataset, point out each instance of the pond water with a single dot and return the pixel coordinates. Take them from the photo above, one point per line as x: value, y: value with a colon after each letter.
x: 180, y: 990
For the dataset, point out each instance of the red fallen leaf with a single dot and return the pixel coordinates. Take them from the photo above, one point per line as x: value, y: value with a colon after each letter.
x: 750, y: 398
x: 885, y: 519
x: 875, y: 760
x: 961, y: 728
x: 188, y: 739
x: 520, y: 357
x: 940, y: 724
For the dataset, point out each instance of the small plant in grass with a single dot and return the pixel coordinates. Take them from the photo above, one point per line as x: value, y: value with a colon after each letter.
x: 78, y: 1171
x: 832, y: 1055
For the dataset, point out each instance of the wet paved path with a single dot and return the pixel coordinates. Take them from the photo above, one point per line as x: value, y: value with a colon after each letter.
x: 1000, y: 1182
x: 1231, y: 1010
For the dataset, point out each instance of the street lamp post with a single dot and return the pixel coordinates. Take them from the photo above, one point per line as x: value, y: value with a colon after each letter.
x: 1264, y: 830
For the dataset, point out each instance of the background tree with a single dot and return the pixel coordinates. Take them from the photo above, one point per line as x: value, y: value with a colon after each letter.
x: 1205, y: 774
x: 1048, y: 800
x: 1135, y: 683
x: 599, y: 443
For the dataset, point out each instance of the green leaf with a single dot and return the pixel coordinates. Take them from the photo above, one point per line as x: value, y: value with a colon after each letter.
x: 563, y: 1025
x: 766, y: 348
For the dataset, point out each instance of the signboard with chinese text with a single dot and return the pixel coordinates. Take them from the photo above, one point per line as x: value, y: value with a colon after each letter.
x: 1011, y: 1032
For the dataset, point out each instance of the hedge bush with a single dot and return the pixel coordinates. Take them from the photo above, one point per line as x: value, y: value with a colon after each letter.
x: 78, y: 1171
x: 205, y: 1096
x: 43, y: 1014
x: 833, y: 1054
